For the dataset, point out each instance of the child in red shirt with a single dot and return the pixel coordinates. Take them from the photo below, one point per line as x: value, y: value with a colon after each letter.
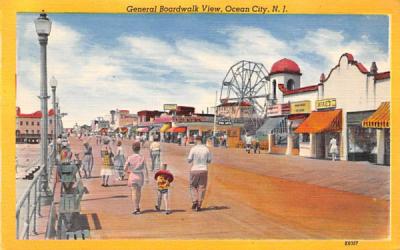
x: 163, y: 179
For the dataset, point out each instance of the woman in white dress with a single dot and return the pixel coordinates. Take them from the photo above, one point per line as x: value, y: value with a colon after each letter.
x: 333, y: 148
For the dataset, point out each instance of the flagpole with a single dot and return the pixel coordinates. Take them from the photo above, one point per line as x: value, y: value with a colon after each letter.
x: 215, y: 115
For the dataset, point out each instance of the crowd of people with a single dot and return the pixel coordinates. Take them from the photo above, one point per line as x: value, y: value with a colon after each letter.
x: 132, y: 168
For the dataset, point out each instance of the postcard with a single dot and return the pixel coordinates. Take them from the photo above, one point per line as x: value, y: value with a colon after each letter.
x: 199, y: 125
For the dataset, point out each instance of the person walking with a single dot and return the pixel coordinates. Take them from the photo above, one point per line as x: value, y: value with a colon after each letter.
x: 199, y: 157
x: 179, y: 139
x: 248, y: 140
x: 87, y: 161
x: 119, y: 161
x: 333, y: 148
x: 225, y: 140
x: 257, y: 145
x: 135, y: 165
x: 163, y: 179
x: 107, y: 156
x: 155, y: 153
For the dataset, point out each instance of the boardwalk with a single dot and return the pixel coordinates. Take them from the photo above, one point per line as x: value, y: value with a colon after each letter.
x: 249, y: 197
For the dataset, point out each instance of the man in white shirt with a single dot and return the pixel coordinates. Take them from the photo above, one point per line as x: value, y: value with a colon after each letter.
x: 199, y: 157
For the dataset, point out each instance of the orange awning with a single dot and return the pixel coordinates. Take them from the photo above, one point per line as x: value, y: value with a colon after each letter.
x: 322, y: 121
x: 177, y: 130
x: 380, y: 118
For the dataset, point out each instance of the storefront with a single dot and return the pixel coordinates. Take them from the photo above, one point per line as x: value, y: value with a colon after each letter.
x: 361, y: 141
x: 206, y: 131
x: 316, y: 132
x: 274, y: 128
x: 163, y: 131
x: 299, y: 111
x: 154, y: 133
x: 175, y: 134
x: 379, y: 123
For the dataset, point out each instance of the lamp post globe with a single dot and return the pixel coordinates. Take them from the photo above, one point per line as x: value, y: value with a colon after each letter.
x: 43, y: 25
x: 43, y: 28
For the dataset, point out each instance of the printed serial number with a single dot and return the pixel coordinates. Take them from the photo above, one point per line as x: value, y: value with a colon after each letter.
x: 351, y: 242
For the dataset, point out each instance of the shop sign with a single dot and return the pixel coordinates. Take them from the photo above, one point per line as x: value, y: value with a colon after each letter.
x: 303, y: 107
x: 278, y: 110
x: 169, y: 107
x: 181, y: 119
x: 325, y: 104
x: 224, y: 121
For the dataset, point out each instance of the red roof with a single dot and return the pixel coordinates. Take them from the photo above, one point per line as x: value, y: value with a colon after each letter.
x: 350, y: 59
x: 37, y: 114
x: 151, y: 113
x: 286, y: 91
x: 285, y: 66
x: 349, y: 56
x: 361, y: 68
x: 382, y: 75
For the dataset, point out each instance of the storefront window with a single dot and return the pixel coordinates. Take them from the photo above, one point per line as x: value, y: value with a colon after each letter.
x: 305, y: 137
x: 361, y: 140
x: 280, y: 139
x: 194, y: 132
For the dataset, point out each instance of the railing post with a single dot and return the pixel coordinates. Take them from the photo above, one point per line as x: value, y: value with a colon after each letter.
x: 35, y: 210
x: 40, y: 194
x: 17, y: 224
x: 27, y: 221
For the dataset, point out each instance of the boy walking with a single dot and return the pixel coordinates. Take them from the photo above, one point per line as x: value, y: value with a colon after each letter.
x: 163, y: 179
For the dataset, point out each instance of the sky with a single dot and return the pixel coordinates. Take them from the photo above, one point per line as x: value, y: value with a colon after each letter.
x: 137, y: 62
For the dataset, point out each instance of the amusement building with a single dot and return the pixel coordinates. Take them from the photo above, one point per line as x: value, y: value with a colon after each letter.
x: 349, y: 103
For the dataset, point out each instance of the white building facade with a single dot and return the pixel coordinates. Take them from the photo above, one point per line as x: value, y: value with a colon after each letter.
x: 350, y: 104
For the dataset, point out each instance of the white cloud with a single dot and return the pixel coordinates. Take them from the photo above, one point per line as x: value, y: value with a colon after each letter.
x: 142, y: 72
x: 330, y: 45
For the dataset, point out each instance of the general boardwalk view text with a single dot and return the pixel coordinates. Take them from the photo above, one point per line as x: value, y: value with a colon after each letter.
x: 207, y: 9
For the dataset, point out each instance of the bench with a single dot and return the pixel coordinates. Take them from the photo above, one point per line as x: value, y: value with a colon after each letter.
x: 68, y: 173
x: 78, y: 235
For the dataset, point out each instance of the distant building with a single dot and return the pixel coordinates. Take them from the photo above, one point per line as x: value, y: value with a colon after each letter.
x: 100, y: 124
x: 31, y: 123
x: 28, y: 126
x: 147, y: 115
x: 234, y: 110
x: 124, y: 119
x: 183, y: 110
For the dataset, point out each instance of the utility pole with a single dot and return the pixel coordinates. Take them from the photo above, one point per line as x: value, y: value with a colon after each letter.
x: 215, y: 118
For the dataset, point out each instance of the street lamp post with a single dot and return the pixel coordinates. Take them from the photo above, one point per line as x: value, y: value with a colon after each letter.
x: 43, y: 28
x: 53, y: 84
x: 58, y: 132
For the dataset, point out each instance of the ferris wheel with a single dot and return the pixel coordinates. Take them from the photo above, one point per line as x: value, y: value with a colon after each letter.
x: 247, y: 83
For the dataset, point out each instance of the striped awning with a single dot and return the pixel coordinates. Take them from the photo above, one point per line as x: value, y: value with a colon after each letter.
x: 380, y: 118
x: 164, y: 128
x: 321, y: 121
